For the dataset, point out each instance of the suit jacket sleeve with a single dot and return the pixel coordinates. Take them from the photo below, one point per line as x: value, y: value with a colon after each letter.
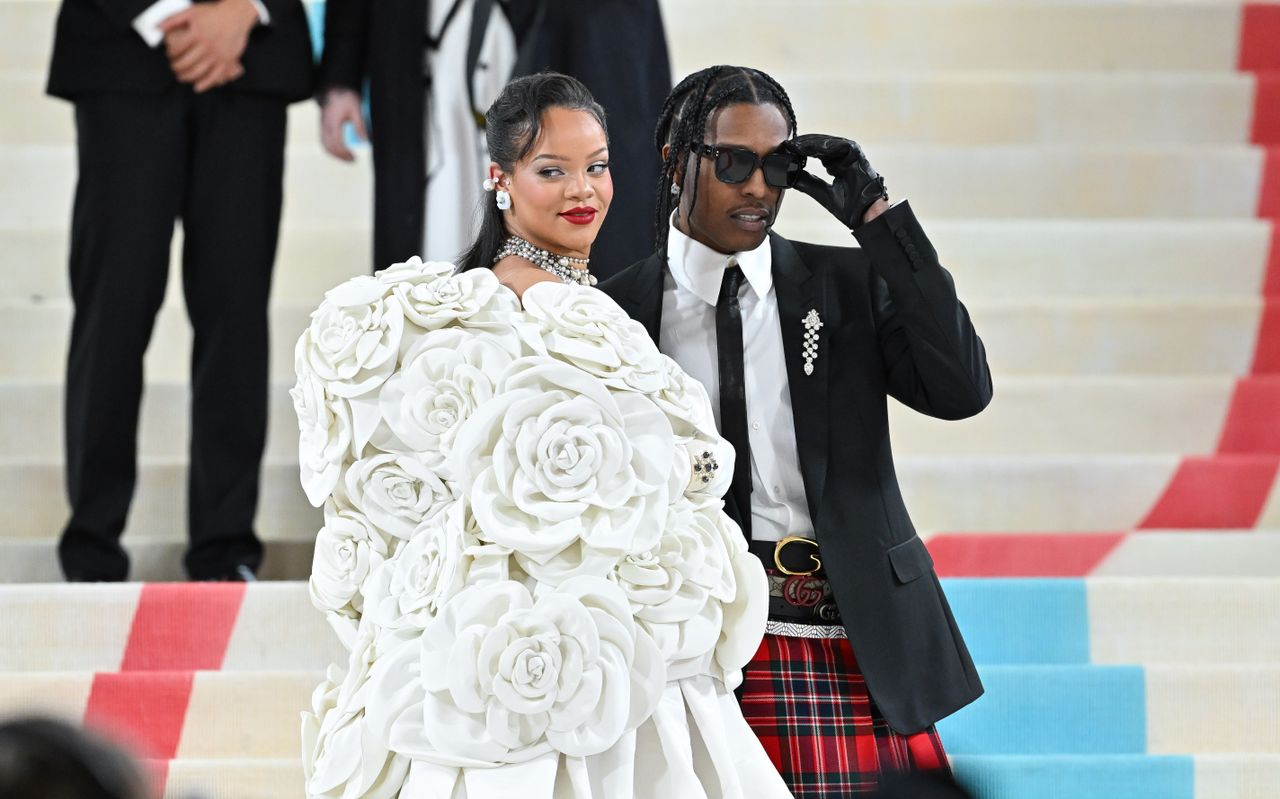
x: 342, y: 63
x: 934, y: 360
x: 124, y: 12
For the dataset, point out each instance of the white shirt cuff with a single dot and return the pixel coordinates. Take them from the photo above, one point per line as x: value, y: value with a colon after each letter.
x: 147, y: 24
x: 264, y: 18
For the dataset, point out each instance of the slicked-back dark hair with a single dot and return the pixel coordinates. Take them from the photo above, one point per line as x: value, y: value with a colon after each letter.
x: 512, y: 125
x: 683, y: 123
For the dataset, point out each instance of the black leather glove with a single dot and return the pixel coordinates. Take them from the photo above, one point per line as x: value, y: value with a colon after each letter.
x: 856, y: 185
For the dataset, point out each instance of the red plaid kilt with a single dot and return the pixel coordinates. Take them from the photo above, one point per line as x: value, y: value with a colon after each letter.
x: 807, y: 701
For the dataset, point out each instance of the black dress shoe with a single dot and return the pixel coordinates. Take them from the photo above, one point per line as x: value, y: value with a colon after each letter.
x: 240, y: 574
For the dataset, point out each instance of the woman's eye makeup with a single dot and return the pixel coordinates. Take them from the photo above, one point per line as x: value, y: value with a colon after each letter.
x: 598, y: 168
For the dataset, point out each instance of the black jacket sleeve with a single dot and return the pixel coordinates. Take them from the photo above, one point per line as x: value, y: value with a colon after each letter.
x: 123, y: 12
x: 934, y: 361
x: 346, y: 41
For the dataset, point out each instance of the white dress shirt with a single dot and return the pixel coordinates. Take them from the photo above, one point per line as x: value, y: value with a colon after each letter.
x: 691, y: 287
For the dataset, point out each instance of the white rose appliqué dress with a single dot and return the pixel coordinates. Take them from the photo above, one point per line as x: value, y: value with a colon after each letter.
x: 524, y: 551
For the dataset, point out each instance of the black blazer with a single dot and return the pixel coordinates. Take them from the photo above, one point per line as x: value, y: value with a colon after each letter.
x: 96, y: 49
x: 892, y: 327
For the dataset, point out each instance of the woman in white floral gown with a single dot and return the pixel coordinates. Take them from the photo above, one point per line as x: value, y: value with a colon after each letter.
x: 524, y: 549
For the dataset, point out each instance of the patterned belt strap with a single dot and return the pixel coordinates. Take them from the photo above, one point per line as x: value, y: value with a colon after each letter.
x: 793, y: 629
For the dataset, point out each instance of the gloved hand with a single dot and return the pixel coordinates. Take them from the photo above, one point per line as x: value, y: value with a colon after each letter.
x: 856, y: 185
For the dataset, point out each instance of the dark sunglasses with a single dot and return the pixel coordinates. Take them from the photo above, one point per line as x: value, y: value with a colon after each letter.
x: 736, y: 164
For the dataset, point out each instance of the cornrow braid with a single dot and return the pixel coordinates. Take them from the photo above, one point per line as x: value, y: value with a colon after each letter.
x: 683, y: 124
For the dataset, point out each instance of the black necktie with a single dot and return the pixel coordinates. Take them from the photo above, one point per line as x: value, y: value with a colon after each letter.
x: 733, y: 391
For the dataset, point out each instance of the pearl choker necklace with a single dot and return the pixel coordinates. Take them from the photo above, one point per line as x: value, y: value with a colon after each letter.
x: 562, y: 266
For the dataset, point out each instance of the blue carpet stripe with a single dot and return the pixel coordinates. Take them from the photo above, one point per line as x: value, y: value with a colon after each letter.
x: 1040, y: 710
x: 1077, y: 777
x: 1012, y: 621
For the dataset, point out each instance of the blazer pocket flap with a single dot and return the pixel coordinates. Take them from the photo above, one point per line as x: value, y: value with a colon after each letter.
x: 910, y: 559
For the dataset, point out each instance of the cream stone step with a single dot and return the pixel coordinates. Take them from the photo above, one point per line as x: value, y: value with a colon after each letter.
x: 1213, y: 336
x: 857, y: 37
x: 1095, y: 182
x: 1184, y: 621
x: 1032, y: 492
x: 957, y: 492
x: 151, y: 560
x: 1078, y: 415
x: 227, y: 778
x: 854, y: 38
x: 229, y: 715
x: 954, y: 107
x: 1104, y: 621
x: 1016, y: 107
x: 1111, y: 259
x: 32, y: 492
x: 993, y: 258
x: 86, y: 626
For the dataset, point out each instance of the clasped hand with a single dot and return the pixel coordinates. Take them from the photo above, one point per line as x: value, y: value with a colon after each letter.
x: 857, y: 192
x: 204, y: 43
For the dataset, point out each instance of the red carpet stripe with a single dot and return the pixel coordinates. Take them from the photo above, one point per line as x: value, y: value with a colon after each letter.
x: 1252, y: 426
x: 1219, y: 492
x: 1269, y: 194
x: 1266, y: 109
x: 1020, y: 554
x: 1260, y: 37
x: 1229, y: 491
x: 182, y: 626
x: 1266, y: 354
x: 143, y: 710
x: 177, y: 629
x: 1271, y: 280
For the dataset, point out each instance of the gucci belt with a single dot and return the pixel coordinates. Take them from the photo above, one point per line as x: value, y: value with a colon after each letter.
x: 799, y: 590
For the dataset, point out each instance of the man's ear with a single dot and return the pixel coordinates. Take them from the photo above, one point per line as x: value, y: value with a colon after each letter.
x: 678, y: 176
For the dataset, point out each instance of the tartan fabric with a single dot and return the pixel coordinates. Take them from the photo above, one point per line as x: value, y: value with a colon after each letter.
x: 807, y: 702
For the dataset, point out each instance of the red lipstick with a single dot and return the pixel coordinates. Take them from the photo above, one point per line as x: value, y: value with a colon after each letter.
x: 579, y: 216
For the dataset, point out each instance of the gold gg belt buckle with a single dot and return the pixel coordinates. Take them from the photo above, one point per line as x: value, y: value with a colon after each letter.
x: 796, y: 539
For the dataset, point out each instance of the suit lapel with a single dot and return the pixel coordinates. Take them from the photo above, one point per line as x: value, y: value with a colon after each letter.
x: 799, y: 291
x: 644, y: 296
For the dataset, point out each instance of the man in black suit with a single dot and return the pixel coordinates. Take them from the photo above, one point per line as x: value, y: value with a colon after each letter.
x: 799, y: 347
x: 180, y: 114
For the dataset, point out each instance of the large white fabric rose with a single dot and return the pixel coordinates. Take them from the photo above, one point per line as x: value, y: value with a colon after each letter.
x: 346, y: 751
x: 414, y: 271
x: 354, y: 337
x: 396, y: 492
x: 677, y: 589
x: 586, y: 328
x: 445, y: 376
x: 324, y: 436
x: 508, y: 678
x: 475, y: 297
x: 561, y: 470
x: 348, y: 549
x: 441, y: 558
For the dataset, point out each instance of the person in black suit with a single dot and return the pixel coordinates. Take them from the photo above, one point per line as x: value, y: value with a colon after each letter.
x: 180, y: 114
x: 802, y: 345
x: 375, y: 49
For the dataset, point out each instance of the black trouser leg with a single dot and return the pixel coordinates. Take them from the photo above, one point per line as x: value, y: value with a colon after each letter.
x: 131, y: 152
x: 231, y: 219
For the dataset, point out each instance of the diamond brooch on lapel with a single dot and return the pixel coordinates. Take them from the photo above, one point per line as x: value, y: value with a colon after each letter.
x: 812, y: 324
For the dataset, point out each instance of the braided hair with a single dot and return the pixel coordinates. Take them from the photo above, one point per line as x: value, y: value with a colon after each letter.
x: 683, y: 124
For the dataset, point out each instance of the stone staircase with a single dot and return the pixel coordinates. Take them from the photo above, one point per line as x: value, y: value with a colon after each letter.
x: 1101, y: 178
